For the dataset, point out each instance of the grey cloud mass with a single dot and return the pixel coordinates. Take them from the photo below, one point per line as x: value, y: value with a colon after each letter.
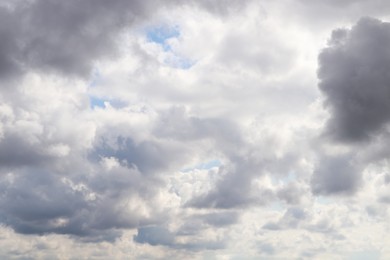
x: 353, y: 73
x: 155, y: 236
x: 69, y: 37
x: 39, y: 202
x: 339, y: 174
x: 59, y: 36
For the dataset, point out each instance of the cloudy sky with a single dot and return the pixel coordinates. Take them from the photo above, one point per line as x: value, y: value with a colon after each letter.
x: 198, y: 129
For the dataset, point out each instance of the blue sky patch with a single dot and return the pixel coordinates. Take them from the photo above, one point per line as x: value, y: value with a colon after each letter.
x: 99, y: 102
x: 96, y: 102
x: 161, y: 34
x: 204, y: 166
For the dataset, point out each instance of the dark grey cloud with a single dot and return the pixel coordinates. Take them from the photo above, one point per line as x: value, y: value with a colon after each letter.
x: 29, y: 202
x: 157, y: 235
x: 339, y: 174
x: 154, y: 236
x: 353, y: 74
x: 291, y: 193
x: 232, y: 191
x: 93, y: 206
x: 235, y: 188
x: 196, y: 223
x: 68, y: 37
x: 220, y: 219
x: 14, y: 151
x: 8, y: 47
x: 149, y: 157
x: 63, y: 37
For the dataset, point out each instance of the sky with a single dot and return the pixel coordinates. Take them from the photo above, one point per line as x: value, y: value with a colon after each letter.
x: 198, y: 129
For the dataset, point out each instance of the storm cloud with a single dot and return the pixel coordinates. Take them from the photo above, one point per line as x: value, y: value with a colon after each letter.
x: 354, y: 77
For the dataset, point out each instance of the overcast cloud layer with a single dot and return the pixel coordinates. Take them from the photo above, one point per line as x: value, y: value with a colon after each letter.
x: 194, y: 129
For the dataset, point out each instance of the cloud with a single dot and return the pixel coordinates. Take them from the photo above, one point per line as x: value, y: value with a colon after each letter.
x: 59, y: 37
x: 338, y: 174
x: 70, y: 37
x: 48, y: 136
x: 220, y: 219
x: 331, y: 13
x: 353, y: 77
x: 292, y: 193
x: 154, y: 236
x: 149, y: 157
x: 95, y: 208
x: 292, y: 218
x: 112, y: 147
x: 233, y: 190
x: 247, y: 162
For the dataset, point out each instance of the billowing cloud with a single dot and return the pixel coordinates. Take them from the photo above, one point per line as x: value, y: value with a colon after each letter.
x: 353, y: 76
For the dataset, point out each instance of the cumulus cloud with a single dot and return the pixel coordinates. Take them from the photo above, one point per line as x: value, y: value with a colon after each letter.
x: 100, y: 170
x: 354, y: 79
x: 246, y: 166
